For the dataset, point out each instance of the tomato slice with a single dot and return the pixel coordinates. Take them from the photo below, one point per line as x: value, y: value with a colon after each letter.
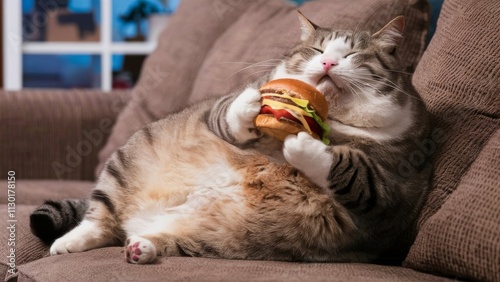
x: 279, y: 114
x: 314, y: 126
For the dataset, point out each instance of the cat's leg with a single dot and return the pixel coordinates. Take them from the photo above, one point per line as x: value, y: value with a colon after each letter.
x: 144, y: 249
x: 149, y: 238
x: 310, y: 156
x: 97, y: 229
x: 86, y: 236
x: 189, y: 232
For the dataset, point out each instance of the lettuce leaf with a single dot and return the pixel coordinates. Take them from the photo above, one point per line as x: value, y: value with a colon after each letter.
x: 324, y: 126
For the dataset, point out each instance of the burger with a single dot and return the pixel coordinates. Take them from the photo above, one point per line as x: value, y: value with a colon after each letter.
x: 290, y: 106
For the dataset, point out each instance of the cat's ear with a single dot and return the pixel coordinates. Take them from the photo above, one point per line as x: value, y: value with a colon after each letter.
x: 391, y: 35
x: 307, y: 27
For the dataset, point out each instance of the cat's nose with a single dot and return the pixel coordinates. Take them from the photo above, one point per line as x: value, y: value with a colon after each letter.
x: 328, y: 64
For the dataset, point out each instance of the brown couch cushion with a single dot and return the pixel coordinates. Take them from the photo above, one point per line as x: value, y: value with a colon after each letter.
x: 207, y: 43
x: 27, y: 246
x: 463, y: 238
x: 29, y: 194
x: 459, y: 77
x: 109, y: 264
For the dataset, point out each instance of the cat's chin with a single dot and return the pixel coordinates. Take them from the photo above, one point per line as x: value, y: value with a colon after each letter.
x: 330, y: 89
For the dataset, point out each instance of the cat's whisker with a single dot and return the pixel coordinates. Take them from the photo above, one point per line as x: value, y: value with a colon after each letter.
x: 264, y: 63
x: 389, y: 83
x: 250, y: 63
x: 360, y: 85
x: 355, y: 93
x: 402, y: 72
x: 353, y: 75
x: 260, y: 71
x: 347, y: 82
x: 251, y: 66
x: 350, y: 84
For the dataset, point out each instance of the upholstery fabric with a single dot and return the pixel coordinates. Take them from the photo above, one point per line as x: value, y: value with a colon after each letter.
x: 71, y: 268
x: 35, y: 192
x: 459, y: 78
x: 212, y: 54
x: 30, y: 194
x: 55, y: 134
x: 463, y: 238
x: 28, y: 247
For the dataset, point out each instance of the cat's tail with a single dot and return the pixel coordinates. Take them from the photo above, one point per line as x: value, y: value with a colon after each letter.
x: 55, y: 218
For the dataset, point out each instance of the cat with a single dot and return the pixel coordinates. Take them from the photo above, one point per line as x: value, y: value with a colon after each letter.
x: 205, y: 183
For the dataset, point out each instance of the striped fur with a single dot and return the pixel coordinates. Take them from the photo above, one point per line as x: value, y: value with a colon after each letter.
x: 204, y: 182
x: 54, y: 218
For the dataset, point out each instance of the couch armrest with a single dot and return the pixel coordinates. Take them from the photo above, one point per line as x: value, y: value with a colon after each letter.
x: 55, y: 134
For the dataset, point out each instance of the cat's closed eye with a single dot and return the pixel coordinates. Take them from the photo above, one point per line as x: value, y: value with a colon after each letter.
x: 349, y: 54
x: 317, y: 50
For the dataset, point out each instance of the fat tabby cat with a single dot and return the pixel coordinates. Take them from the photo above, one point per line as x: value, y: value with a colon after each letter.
x: 203, y: 182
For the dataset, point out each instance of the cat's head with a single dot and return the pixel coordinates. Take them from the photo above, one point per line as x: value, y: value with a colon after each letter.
x: 358, y: 72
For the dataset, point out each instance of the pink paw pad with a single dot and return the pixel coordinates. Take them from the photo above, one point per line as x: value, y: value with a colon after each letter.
x: 140, y: 250
x: 134, y: 251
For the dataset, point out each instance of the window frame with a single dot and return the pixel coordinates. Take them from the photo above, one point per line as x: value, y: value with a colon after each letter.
x: 15, y: 47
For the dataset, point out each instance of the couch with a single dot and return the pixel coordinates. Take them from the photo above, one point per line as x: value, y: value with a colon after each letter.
x: 55, y: 142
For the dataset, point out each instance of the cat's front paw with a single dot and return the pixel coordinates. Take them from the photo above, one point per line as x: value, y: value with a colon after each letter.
x: 241, y: 113
x: 139, y: 250
x: 308, y: 155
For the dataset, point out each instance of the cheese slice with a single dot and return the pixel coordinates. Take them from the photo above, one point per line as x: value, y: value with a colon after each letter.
x: 278, y: 105
x: 297, y: 112
x: 302, y: 120
x: 301, y: 102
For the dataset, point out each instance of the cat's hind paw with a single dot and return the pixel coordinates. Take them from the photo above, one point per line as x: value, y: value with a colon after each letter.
x: 139, y: 250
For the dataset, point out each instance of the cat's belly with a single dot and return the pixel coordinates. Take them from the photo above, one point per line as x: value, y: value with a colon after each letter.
x: 182, y: 179
x: 155, y: 219
x: 186, y: 199
x: 174, y: 179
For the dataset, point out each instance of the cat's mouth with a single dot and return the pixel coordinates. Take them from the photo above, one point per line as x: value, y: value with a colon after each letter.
x: 330, y: 87
x: 329, y: 82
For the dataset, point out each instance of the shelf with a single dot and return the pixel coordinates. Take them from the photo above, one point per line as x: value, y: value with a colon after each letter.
x: 139, y: 48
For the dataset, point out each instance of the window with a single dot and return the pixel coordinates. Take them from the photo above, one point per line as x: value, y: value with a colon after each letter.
x: 80, y: 43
